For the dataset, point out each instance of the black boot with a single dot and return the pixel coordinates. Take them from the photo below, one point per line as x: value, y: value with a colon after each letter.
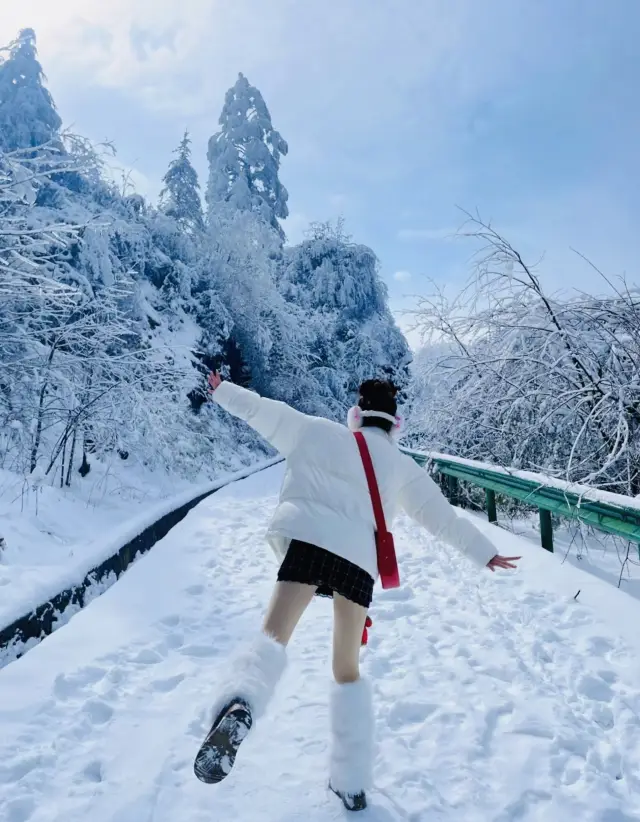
x: 357, y: 802
x: 244, y: 694
x: 217, y: 754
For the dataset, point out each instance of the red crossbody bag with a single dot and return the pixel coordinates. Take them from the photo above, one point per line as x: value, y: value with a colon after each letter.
x: 385, y: 547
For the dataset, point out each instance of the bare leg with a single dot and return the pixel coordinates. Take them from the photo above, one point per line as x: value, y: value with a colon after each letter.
x: 288, y: 602
x: 348, y: 625
x: 351, y: 709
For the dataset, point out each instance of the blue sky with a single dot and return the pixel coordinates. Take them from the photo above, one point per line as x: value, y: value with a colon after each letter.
x: 396, y: 112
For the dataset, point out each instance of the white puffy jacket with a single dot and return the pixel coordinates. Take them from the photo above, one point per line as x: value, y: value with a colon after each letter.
x: 325, y: 499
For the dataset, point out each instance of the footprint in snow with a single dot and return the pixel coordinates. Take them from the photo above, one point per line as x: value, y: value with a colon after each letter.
x: 195, y: 590
x: 164, y: 686
x: 92, y: 771
x: 595, y: 688
x: 599, y: 646
x: 66, y: 686
x: 410, y: 713
x: 493, y: 719
x: 603, y: 716
x: 20, y: 809
x: 13, y: 772
x: 98, y: 712
x: 147, y: 656
x: 172, y: 642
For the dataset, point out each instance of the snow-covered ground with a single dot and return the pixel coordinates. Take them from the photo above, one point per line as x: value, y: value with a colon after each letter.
x: 603, y: 555
x: 498, y: 697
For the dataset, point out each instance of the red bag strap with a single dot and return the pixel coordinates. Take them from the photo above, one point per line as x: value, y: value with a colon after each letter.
x: 378, y: 511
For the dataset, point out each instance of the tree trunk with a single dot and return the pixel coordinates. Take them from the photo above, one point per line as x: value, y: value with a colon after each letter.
x: 71, y: 456
x: 62, y: 461
x: 36, y: 442
x: 43, y: 391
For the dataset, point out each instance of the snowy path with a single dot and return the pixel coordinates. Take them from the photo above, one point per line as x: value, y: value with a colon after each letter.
x: 498, y: 699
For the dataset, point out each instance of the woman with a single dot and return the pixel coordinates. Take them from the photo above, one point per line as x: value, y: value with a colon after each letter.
x: 323, y: 533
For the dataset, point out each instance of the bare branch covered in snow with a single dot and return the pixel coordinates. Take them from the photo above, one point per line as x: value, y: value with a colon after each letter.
x: 515, y: 376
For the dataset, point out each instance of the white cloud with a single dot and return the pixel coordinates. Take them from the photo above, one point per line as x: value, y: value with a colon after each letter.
x: 181, y: 55
x: 168, y: 53
x: 402, y: 276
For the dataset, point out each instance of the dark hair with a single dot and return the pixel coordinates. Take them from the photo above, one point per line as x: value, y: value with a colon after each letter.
x: 378, y: 395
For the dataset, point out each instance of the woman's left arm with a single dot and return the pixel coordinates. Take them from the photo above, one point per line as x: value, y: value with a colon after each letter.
x: 426, y: 504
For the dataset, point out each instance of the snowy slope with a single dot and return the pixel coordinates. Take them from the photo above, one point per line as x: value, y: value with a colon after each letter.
x: 499, y: 698
x: 595, y: 552
x: 54, y: 536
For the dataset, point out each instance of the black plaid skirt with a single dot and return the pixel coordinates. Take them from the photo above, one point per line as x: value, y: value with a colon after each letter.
x: 311, y: 565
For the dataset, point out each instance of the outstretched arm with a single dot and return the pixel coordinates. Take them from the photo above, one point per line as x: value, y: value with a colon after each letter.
x: 276, y: 421
x: 424, y: 502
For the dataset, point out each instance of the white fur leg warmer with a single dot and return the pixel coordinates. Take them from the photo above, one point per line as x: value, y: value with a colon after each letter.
x: 352, y: 737
x: 252, y: 676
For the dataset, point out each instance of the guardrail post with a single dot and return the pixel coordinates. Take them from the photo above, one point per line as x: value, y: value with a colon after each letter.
x: 454, y: 491
x: 546, y: 530
x: 491, y: 505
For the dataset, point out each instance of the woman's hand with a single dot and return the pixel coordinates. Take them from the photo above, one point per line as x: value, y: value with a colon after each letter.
x: 502, y: 562
x: 214, y: 381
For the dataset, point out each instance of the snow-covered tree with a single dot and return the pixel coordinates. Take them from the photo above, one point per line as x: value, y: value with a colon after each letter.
x: 240, y: 261
x: 355, y: 337
x: 329, y: 272
x: 28, y: 116
x: 111, y: 311
x: 29, y: 248
x: 180, y: 197
x: 244, y: 157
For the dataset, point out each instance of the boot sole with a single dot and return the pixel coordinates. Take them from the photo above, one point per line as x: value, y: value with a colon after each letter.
x: 217, y: 755
x: 351, y: 803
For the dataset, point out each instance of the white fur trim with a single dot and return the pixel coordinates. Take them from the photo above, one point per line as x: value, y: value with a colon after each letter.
x: 354, y: 418
x: 352, y: 737
x: 252, y: 676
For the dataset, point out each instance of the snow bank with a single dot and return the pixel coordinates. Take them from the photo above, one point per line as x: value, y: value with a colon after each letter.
x: 25, y: 587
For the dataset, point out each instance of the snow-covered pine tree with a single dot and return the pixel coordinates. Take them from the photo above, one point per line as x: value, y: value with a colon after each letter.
x: 244, y: 157
x: 180, y: 197
x: 28, y: 116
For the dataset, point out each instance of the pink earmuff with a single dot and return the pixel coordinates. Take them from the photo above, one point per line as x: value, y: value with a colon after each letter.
x: 354, y: 418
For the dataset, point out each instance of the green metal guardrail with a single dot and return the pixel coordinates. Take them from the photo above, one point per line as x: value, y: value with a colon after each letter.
x: 614, y: 519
